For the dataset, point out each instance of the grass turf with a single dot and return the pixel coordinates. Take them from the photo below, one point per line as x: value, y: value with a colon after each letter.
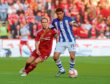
x: 92, y: 70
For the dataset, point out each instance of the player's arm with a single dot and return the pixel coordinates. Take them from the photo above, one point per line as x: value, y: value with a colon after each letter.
x: 37, y: 48
x: 57, y: 37
x: 37, y: 41
x: 73, y: 22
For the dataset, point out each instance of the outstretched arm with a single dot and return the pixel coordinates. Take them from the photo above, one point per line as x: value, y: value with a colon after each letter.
x: 74, y: 24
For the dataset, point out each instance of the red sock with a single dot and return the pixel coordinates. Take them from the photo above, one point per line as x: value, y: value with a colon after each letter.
x: 20, y: 51
x: 30, y: 68
x: 27, y: 65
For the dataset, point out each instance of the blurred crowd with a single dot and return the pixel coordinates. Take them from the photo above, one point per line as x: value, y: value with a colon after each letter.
x: 93, y: 16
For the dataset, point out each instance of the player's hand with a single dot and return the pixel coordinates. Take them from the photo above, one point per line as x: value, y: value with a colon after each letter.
x: 38, y: 52
x: 73, y: 24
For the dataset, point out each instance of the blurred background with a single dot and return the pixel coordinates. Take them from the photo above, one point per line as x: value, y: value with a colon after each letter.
x: 93, y: 16
x: 92, y: 39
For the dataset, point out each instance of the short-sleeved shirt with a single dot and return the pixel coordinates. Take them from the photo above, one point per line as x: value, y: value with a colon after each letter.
x: 64, y: 28
x: 45, y: 45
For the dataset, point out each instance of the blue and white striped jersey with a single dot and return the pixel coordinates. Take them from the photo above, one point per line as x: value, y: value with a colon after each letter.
x: 65, y: 29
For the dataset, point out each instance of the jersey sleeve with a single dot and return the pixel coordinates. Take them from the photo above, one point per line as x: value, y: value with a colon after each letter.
x: 37, y: 36
x: 71, y: 20
x: 52, y: 26
x: 55, y: 33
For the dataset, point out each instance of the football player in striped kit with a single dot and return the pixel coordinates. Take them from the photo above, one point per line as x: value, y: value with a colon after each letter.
x: 64, y: 25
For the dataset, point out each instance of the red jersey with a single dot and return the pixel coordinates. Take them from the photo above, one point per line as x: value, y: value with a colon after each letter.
x: 101, y: 27
x: 80, y: 5
x: 29, y: 19
x: 105, y: 12
x: 93, y: 32
x: 63, y: 5
x: 85, y: 19
x: 45, y: 45
x: 83, y: 33
x: 29, y: 1
x: 12, y: 18
x: 21, y: 19
x: 76, y: 32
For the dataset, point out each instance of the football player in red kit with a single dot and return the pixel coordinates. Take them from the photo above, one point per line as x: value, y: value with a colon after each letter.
x: 43, y: 48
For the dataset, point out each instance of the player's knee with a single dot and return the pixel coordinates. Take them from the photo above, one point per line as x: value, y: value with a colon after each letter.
x: 72, y: 57
x: 55, y: 58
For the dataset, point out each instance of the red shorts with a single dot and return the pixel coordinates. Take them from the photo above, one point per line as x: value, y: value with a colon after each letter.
x: 23, y: 42
x: 43, y: 55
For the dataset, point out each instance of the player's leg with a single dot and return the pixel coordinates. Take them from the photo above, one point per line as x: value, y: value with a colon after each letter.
x: 59, y: 49
x: 31, y: 59
x: 72, y: 60
x: 58, y: 63
x: 29, y: 47
x: 32, y: 66
x: 72, y: 51
x: 20, y: 49
x: 28, y: 63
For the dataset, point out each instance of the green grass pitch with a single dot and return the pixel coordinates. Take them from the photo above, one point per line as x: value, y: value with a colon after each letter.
x: 92, y: 70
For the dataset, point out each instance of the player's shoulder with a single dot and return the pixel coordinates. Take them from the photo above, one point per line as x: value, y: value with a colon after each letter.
x: 53, y: 30
x: 40, y: 31
x: 55, y: 20
x: 67, y: 17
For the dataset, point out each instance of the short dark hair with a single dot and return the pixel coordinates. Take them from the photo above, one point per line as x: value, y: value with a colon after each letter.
x: 59, y: 9
x: 44, y: 18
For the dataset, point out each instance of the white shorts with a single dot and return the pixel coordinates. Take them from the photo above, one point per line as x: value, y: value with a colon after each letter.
x: 61, y: 46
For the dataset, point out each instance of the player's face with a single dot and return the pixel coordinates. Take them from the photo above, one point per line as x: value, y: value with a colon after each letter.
x: 44, y: 24
x: 60, y: 15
